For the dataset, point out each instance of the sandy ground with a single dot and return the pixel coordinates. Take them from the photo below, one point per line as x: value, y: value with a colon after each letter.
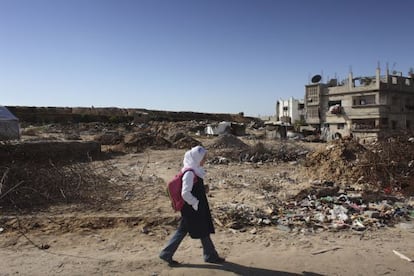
x: 125, y: 239
x: 126, y: 251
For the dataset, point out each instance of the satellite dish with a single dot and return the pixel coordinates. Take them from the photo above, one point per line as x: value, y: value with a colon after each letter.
x: 316, y: 78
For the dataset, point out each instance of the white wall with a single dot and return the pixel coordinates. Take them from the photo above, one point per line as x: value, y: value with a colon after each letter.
x: 292, y: 109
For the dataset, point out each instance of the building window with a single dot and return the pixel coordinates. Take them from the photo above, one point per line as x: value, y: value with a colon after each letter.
x: 363, y: 124
x: 313, y: 112
x: 394, y: 124
x: 332, y: 103
x: 409, y: 104
x: 312, y: 94
x: 394, y: 80
x: 408, y: 82
x: 363, y: 100
x: 408, y: 124
x: 384, y: 123
x: 340, y: 126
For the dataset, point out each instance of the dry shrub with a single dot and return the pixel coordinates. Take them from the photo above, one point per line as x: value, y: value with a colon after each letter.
x: 390, y: 164
x: 32, y: 185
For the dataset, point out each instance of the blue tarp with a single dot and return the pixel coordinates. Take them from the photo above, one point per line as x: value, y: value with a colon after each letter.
x: 9, y: 125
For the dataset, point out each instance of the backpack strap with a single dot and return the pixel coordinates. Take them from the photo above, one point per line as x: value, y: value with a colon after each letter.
x: 187, y: 170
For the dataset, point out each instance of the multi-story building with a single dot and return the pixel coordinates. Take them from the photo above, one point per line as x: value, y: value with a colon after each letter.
x: 290, y: 111
x: 369, y: 108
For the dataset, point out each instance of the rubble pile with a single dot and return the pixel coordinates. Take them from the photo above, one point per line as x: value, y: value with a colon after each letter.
x: 139, y: 141
x: 154, y: 135
x: 228, y: 141
x: 169, y: 128
x: 229, y: 146
x: 181, y: 140
x: 338, y: 161
x: 109, y: 138
x: 284, y: 153
x: 387, y: 166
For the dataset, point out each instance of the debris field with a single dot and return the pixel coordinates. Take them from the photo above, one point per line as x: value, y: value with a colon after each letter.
x: 341, y: 185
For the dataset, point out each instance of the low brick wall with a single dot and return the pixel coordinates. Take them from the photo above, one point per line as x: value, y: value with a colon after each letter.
x: 33, y: 114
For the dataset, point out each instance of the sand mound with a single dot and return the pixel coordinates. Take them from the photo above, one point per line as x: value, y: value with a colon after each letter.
x: 228, y: 141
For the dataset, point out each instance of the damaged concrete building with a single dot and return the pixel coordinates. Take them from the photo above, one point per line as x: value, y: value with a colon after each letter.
x: 368, y: 108
x: 290, y: 110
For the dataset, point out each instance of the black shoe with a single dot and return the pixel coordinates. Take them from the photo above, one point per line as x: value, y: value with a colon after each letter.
x: 217, y: 260
x: 170, y: 262
x: 173, y: 263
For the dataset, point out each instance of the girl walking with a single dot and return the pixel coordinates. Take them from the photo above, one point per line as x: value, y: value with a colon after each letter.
x: 195, y: 215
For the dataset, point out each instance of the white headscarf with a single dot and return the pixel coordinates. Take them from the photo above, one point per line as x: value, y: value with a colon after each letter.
x: 192, y: 159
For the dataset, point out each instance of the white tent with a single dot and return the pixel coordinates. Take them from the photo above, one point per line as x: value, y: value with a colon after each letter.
x: 221, y: 128
x: 224, y: 128
x: 210, y: 130
x: 9, y: 125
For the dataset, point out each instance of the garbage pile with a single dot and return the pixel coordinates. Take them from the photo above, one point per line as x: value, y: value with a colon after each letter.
x: 345, y: 209
x: 323, y: 207
x: 237, y: 216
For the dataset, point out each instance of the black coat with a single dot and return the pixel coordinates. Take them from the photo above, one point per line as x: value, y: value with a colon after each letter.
x: 198, y: 223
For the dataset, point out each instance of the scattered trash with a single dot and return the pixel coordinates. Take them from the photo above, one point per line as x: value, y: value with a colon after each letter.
x: 253, y: 231
x: 44, y: 246
x: 358, y: 226
x: 402, y: 256
x: 325, y: 250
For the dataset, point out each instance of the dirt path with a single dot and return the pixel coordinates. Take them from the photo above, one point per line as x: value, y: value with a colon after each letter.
x: 128, y: 251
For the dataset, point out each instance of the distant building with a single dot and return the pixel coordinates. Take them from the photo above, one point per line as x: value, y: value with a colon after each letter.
x: 291, y: 110
x: 369, y: 107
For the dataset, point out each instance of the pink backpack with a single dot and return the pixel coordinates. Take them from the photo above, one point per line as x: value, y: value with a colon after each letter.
x: 174, y: 190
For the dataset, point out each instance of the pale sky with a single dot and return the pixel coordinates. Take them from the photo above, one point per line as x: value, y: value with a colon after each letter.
x: 219, y: 56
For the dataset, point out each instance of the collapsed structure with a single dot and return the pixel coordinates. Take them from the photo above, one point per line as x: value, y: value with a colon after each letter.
x: 367, y: 108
